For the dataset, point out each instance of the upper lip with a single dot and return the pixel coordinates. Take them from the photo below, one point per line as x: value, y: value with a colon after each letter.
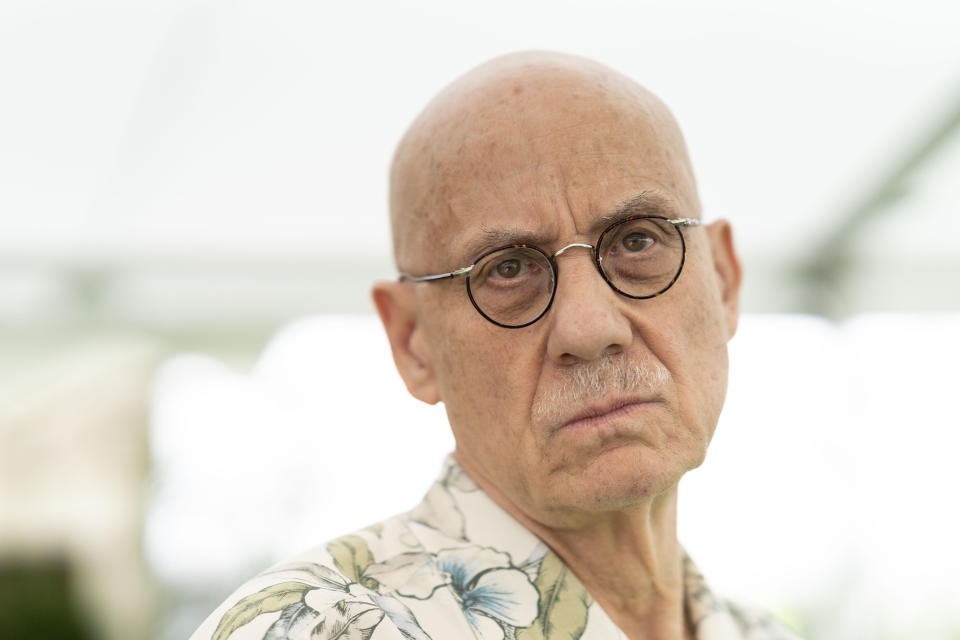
x: 599, y: 409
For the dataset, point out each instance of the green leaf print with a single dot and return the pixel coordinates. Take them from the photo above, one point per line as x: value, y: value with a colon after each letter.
x: 352, y: 556
x: 274, y: 598
x: 563, y: 603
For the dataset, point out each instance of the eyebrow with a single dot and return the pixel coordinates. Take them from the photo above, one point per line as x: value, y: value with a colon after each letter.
x: 492, y: 238
x: 644, y: 203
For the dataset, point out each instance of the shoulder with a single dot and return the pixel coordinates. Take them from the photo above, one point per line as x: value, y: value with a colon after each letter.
x: 322, y: 593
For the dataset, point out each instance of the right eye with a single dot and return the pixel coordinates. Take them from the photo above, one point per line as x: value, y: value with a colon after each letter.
x: 511, y: 268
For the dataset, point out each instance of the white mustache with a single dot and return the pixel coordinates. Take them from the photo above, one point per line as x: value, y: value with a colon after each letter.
x: 594, y: 379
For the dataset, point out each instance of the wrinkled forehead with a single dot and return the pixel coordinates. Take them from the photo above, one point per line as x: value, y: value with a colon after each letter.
x: 544, y: 209
x: 542, y: 151
x: 547, y: 190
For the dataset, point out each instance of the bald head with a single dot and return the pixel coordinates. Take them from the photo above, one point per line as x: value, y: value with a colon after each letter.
x: 508, y: 119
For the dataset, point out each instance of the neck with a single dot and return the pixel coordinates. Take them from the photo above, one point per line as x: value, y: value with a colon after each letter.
x: 630, y: 561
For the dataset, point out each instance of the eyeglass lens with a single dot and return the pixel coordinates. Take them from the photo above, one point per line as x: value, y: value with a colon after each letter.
x: 639, y: 258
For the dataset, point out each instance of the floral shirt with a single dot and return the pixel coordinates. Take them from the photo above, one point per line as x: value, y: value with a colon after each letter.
x: 456, y: 567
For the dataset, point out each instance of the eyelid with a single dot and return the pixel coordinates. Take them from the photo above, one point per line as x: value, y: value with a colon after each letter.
x: 502, y: 239
x: 513, y: 245
x: 653, y: 226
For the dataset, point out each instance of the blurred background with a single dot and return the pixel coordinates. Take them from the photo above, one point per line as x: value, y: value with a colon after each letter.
x: 193, y: 208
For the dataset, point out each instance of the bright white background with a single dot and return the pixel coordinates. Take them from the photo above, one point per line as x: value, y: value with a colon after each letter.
x: 197, y: 173
x: 202, y: 157
x: 828, y: 494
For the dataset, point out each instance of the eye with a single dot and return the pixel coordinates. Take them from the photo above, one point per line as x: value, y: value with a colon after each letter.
x: 636, y: 241
x: 508, y: 268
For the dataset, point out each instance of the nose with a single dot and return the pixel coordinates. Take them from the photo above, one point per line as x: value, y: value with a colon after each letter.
x: 586, y: 321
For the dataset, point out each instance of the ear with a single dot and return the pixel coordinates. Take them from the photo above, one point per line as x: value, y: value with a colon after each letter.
x: 727, y: 267
x: 397, y: 306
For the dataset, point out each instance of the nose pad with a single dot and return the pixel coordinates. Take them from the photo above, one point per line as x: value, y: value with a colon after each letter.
x: 574, y: 245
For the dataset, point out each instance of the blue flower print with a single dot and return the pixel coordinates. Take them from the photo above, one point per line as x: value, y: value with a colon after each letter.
x: 496, y: 597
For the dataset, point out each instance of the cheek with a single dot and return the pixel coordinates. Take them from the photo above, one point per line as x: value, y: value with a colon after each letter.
x: 703, y: 381
x: 694, y: 350
x: 487, y: 387
x: 486, y: 381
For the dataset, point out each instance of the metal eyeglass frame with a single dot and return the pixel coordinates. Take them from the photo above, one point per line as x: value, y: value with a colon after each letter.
x: 597, y: 258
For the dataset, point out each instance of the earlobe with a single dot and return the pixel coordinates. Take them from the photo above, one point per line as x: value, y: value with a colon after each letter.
x: 727, y: 267
x: 396, y: 306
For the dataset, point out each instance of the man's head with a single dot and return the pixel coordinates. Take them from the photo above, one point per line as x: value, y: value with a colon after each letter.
x: 548, y: 149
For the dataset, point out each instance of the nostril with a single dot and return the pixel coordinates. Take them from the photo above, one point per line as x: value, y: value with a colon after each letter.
x: 613, y: 350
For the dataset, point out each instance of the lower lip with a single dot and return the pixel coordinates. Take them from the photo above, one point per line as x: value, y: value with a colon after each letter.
x: 594, y: 423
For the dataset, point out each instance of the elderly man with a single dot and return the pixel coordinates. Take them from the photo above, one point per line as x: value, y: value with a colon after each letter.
x: 560, y: 296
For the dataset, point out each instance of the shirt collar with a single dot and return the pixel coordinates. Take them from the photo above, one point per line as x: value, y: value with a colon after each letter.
x: 457, y: 513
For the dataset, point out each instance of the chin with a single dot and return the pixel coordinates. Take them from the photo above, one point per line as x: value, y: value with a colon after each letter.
x: 620, y: 478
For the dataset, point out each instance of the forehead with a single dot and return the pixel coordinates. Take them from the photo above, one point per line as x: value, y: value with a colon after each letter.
x: 540, y: 149
x: 545, y: 192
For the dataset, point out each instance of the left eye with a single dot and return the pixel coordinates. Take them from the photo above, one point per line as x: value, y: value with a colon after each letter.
x: 636, y: 241
x: 509, y: 268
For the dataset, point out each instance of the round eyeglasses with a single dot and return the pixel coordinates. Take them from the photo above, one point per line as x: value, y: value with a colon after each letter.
x: 513, y: 286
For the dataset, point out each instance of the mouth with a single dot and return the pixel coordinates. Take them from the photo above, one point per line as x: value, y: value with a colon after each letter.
x: 602, y: 413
